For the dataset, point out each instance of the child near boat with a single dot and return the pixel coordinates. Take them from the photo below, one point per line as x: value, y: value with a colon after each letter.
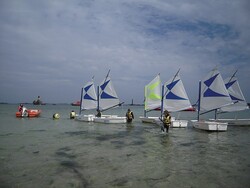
x: 166, y: 121
x: 129, y: 116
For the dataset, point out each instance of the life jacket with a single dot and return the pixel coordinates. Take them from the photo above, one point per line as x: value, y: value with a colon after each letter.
x: 129, y: 115
x: 167, y: 120
x: 72, y: 115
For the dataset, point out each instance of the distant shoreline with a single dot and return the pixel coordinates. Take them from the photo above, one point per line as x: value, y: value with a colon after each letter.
x: 70, y: 104
x: 27, y: 103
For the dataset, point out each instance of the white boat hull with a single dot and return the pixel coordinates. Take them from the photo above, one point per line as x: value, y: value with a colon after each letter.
x: 174, y: 123
x: 110, y: 119
x: 85, y: 118
x: 179, y: 123
x: 210, y: 125
x: 237, y: 122
x: 149, y: 119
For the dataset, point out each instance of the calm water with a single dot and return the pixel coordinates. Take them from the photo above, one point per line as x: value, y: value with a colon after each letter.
x: 43, y: 152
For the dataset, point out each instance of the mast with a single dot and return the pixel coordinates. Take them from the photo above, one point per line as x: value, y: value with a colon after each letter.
x: 98, y: 98
x: 215, y: 114
x: 162, y: 93
x: 145, y: 111
x: 81, y: 102
x: 199, y: 101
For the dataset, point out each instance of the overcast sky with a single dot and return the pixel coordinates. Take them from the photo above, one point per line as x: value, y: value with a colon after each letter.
x: 52, y: 48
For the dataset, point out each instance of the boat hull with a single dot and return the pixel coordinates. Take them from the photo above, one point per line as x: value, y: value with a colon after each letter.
x: 149, y: 119
x: 179, y: 123
x: 174, y: 123
x: 109, y: 119
x: 78, y: 103
x: 210, y: 125
x: 85, y: 118
x: 31, y: 113
x: 236, y: 122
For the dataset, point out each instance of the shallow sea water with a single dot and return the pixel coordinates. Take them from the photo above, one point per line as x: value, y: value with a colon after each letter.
x: 42, y: 152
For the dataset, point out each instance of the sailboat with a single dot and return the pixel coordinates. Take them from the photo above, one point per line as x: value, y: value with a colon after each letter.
x: 152, y: 92
x: 212, y: 96
x: 88, y: 101
x: 107, y: 98
x: 175, y: 99
x: 239, y: 102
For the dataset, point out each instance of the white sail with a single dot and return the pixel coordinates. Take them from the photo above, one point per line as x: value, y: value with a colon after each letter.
x: 107, y: 95
x: 153, y: 94
x: 89, y: 98
x: 214, y: 94
x: 239, y: 101
x: 175, y: 97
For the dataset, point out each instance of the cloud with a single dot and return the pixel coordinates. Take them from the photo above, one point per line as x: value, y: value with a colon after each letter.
x: 56, y: 46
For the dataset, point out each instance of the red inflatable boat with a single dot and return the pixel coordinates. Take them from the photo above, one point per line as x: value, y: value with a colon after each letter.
x: 30, y: 113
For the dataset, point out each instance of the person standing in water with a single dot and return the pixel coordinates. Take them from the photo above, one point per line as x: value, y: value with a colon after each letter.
x: 72, y: 114
x: 129, y: 116
x: 166, y: 121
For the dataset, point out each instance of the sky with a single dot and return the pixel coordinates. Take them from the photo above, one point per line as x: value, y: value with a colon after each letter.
x: 53, y: 48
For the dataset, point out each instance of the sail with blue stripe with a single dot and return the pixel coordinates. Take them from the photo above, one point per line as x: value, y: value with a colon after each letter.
x: 89, y: 99
x: 214, y: 94
x: 107, y: 95
x: 175, y: 98
x: 234, y: 90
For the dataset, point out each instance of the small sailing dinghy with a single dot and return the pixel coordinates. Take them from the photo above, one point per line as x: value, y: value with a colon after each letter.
x: 152, y: 99
x: 88, y: 102
x: 239, y: 102
x: 107, y: 99
x: 212, y: 96
x: 175, y: 99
